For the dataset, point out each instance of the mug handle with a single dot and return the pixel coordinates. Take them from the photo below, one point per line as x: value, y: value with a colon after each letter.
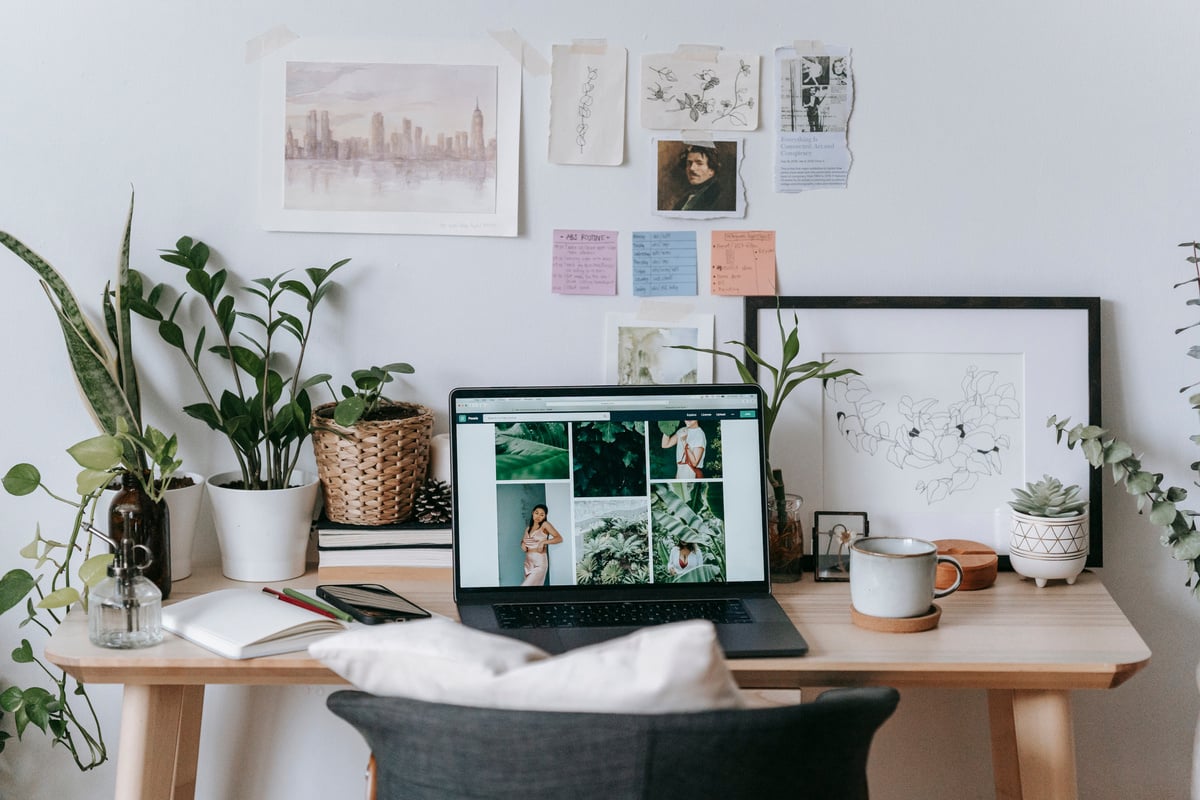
x: 957, y: 581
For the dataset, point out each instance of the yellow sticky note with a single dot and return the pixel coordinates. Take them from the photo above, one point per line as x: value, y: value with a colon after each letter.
x: 743, y: 263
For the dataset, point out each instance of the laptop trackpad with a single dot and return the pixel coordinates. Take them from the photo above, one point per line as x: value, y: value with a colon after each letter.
x: 582, y: 637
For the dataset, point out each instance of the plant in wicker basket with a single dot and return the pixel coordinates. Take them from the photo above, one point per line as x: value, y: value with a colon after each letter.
x: 372, y: 453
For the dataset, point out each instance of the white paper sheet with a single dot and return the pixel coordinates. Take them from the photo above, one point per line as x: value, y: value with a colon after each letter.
x: 815, y: 87
x: 587, y: 105
x: 700, y: 89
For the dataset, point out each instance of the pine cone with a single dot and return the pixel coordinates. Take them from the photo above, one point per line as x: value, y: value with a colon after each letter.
x: 433, y: 506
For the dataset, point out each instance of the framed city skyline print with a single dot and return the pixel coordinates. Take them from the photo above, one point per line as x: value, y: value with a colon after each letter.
x: 948, y: 414
x: 380, y: 137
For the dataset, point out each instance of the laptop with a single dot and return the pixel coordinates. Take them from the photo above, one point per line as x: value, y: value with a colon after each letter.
x: 583, y: 513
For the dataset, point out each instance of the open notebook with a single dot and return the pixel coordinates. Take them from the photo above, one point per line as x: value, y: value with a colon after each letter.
x: 583, y: 513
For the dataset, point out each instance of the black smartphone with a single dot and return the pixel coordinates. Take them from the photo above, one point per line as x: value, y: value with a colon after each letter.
x: 370, y: 602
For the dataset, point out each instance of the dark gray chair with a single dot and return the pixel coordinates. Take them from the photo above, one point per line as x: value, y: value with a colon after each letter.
x: 423, y: 751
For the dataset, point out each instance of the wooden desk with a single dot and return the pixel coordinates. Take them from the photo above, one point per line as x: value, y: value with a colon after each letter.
x: 1028, y: 647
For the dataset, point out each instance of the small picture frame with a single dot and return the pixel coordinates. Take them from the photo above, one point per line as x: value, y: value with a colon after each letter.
x: 833, y: 533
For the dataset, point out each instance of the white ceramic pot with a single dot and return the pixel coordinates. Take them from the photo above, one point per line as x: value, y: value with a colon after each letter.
x: 183, y: 505
x: 263, y: 535
x: 1048, y: 548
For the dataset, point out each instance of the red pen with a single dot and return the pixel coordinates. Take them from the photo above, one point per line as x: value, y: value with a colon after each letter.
x: 285, y: 598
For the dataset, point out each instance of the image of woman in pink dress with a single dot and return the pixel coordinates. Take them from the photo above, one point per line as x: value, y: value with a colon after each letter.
x: 539, y: 535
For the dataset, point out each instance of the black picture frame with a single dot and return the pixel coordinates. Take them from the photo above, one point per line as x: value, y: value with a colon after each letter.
x: 1060, y: 330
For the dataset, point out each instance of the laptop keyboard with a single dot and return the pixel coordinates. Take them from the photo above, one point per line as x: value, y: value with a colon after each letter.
x: 593, y: 615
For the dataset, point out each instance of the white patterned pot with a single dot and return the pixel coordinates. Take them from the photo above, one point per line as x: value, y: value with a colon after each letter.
x: 1048, y: 548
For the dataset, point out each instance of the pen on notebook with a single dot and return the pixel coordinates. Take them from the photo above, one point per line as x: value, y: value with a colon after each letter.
x: 315, y: 603
x: 281, y: 596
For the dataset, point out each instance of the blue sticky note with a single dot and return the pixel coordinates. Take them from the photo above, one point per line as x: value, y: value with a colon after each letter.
x: 664, y: 263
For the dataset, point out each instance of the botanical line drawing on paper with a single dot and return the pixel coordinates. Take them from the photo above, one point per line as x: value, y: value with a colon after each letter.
x: 693, y: 95
x: 390, y: 137
x: 951, y: 444
x: 585, y: 107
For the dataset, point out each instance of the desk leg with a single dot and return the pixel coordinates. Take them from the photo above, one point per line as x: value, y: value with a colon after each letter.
x: 1033, y: 744
x: 160, y: 740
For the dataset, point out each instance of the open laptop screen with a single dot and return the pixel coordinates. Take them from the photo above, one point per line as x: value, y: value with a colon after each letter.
x: 608, y: 486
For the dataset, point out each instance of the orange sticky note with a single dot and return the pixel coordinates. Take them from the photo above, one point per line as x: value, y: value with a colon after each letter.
x: 743, y: 263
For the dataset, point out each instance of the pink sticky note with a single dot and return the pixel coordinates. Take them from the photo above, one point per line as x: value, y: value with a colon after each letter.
x: 585, y: 262
x: 743, y: 262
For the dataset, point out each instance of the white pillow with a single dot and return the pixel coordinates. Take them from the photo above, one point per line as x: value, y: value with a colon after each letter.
x: 665, y: 668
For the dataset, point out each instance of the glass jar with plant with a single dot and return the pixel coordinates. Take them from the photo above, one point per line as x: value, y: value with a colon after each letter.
x: 372, y: 453
x: 786, y: 531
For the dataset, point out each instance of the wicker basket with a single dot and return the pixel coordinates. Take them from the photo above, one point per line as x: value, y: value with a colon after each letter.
x: 370, y: 473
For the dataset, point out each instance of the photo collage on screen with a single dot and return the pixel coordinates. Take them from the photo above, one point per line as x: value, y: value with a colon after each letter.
x: 619, y: 501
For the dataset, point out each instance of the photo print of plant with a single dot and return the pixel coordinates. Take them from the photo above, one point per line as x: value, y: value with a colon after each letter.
x: 691, y: 513
x: 532, y: 451
x: 610, y: 458
x: 612, y: 537
x: 664, y: 461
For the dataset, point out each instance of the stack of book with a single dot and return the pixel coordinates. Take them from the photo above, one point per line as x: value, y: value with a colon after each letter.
x: 405, y: 544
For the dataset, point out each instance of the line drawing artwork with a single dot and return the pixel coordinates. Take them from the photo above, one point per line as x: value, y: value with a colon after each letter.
x: 390, y: 137
x: 696, y: 100
x: 691, y: 93
x: 950, y: 443
x: 585, y: 106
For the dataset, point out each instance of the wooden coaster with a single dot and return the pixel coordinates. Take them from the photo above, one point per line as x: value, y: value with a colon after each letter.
x: 978, y: 561
x: 924, y: 622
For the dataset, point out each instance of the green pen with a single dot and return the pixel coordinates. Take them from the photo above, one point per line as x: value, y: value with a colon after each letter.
x: 337, y: 612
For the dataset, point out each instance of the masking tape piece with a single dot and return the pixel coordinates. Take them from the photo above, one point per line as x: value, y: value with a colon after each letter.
x: 268, y: 43
x: 698, y: 52
x: 663, y: 312
x: 702, y: 138
x: 809, y: 47
x: 589, y: 47
x: 530, y: 60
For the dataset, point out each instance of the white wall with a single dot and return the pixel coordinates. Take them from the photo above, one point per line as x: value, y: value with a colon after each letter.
x: 1026, y: 148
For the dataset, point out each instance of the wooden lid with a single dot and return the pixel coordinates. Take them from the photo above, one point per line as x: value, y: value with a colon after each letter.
x: 979, y: 563
x: 925, y: 622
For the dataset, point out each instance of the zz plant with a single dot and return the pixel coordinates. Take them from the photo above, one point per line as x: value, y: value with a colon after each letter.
x: 265, y: 415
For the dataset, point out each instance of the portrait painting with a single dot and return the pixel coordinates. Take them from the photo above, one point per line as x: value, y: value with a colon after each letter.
x: 698, y: 179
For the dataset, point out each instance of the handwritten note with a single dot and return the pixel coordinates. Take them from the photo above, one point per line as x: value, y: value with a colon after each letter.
x: 664, y: 263
x: 743, y: 262
x: 585, y: 262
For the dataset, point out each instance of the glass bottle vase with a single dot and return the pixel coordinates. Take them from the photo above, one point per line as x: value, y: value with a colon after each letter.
x: 785, y: 537
x: 133, y: 512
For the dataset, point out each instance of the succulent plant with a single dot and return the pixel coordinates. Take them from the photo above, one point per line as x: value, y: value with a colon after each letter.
x: 1048, y: 498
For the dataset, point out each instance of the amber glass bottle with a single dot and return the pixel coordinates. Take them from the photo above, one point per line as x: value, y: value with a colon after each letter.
x: 133, y: 512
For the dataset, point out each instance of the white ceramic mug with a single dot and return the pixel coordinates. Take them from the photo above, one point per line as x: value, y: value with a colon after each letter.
x: 893, y: 576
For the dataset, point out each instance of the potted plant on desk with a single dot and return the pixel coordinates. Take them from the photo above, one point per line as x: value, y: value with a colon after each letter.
x: 1048, y: 534
x: 786, y: 531
x: 372, y: 453
x: 106, y: 375
x: 263, y: 510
